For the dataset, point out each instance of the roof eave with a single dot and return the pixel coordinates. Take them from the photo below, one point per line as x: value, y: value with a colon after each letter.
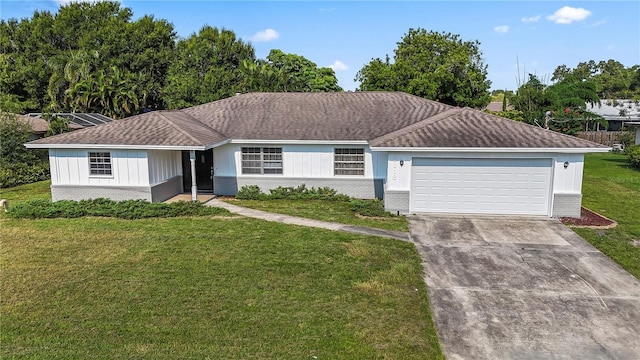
x: 492, y: 149
x: 115, y: 147
x: 299, y: 142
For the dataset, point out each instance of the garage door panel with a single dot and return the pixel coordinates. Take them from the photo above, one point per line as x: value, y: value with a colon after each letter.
x: 491, y: 186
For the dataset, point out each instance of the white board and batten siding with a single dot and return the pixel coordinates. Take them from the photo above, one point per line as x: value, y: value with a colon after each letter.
x: 568, y: 180
x: 496, y: 183
x: 164, y: 165
x: 298, y: 161
x: 71, y: 167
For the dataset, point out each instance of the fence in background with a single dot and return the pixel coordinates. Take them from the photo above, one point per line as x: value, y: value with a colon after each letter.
x: 601, y: 137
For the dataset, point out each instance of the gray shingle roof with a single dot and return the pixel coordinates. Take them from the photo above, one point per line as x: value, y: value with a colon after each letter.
x: 158, y: 128
x: 385, y: 119
x: 465, y: 127
x: 39, y: 126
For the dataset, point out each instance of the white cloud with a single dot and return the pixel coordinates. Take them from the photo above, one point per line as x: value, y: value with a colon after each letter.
x: 601, y: 22
x: 502, y: 29
x: 531, y: 19
x: 266, y: 35
x: 338, y: 66
x: 610, y: 47
x: 567, y: 15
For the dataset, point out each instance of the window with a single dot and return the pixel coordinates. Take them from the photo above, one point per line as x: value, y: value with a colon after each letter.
x: 256, y: 160
x: 100, y: 163
x: 348, y: 162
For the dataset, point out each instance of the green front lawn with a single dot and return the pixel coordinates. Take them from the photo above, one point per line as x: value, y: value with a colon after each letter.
x: 201, y: 287
x: 611, y: 187
x: 22, y: 193
x: 334, y: 211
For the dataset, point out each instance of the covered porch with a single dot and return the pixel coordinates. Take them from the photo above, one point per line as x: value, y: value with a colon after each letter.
x: 197, y: 176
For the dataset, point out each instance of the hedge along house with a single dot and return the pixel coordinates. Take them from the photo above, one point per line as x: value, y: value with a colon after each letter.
x: 416, y: 154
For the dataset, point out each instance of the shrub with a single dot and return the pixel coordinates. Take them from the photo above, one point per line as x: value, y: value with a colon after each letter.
x: 127, y: 209
x: 373, y: 208
x: 15, y: 174
x: 250, y: 192
x: 19, y: 165
x: 633, y: 153
x: 626, y: 138
x: 302, y: 192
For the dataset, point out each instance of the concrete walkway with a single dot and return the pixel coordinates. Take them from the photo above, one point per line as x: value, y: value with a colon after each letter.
x: 294, y: 220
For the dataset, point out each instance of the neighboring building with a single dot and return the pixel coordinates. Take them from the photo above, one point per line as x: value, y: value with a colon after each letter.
x: 496, y: 106
x: 38, y: 126
x: 616, y: 112
x: 416, y: 154
x: 635, y: 125
x: 76, y: 121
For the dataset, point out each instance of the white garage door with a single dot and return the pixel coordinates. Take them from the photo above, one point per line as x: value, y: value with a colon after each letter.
x: 481, y: 186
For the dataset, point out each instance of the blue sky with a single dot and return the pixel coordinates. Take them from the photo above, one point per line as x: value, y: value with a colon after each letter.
x: 346, y: 35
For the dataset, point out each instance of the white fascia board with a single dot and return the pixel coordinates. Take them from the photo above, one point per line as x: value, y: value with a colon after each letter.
x: 115, y: 147
x: 215, y: 145
x: 299, y: 142
x: 492, y: 150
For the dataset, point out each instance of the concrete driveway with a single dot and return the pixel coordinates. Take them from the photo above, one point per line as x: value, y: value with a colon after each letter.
x: 525, y: 288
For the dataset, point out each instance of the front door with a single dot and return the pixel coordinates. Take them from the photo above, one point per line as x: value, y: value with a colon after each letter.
x: 204, y: 171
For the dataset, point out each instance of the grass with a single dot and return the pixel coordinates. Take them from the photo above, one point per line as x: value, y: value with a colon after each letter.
x: 335, y: 211
x: 23, y: 193
x: 198, y: 287
x: 611, y: 187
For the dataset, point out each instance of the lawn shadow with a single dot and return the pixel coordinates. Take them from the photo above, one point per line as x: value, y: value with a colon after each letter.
x: 623, y: 163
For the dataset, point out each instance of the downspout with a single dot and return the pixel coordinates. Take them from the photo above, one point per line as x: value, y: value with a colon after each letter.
x: 194, y: 184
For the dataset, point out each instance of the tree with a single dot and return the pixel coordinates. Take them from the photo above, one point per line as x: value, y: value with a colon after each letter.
x: 206, y: 68
x: 297, y: 73
x: 611, y: 78
x: 44, y: 57
x: 567, y: 100
x: 57, y: 125
x: 561, y: 106
x: 433, y: 65
x: 26, y: 46
x: 18, y: 165
x: 113, y: 93
x: 531, y: 100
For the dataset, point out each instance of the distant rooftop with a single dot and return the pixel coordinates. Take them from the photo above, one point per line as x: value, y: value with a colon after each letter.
x: 80, y: 119
x: 621, y: 109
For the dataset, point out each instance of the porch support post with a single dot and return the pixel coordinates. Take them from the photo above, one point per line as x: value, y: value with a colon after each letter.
x: 194, y: 183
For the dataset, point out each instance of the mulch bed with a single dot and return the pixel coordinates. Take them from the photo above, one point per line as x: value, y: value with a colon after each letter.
x: 589, y: 219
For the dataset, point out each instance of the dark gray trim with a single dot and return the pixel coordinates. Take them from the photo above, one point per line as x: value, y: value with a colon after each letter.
x: 355, y: 187
x: 166, y: 190
x: 566, y: 205
x: 397, y: 201
x: 117, y: 193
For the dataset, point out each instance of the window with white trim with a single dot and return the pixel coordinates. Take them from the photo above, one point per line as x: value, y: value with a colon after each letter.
x: 100, y: 164
x: 348, y: 161
x: 261, y: 160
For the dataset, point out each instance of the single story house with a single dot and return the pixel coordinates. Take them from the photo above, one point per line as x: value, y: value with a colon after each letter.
x: 38, y: 127
x: 617, y: 113
x: 416, y: 154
